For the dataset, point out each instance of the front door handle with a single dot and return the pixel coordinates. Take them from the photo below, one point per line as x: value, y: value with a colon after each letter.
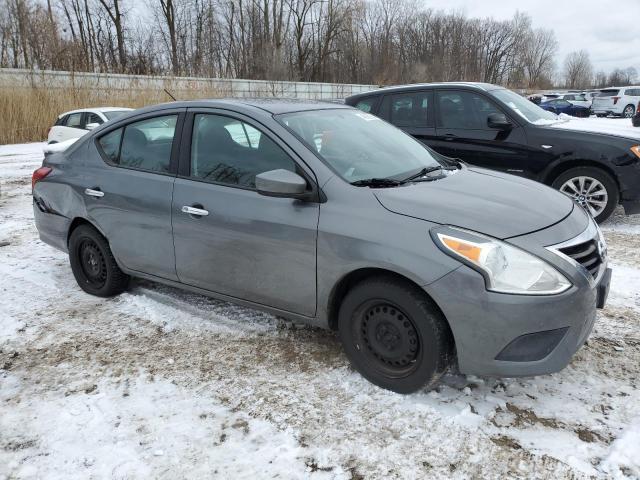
x: 92, y: 192
x: 450, y: 136
x: 200, y: 212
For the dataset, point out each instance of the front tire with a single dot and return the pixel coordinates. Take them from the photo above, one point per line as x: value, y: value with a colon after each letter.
x: 591, y: 187
x: 394, y: 335
x: 93, y: 264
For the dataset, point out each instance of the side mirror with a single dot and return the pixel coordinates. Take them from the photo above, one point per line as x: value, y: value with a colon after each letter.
x: 499, y: 121
x: 281, y: 183
x: 91, y: 126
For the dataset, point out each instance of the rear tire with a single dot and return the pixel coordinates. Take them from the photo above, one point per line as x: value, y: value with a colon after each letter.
x: 629, y: 111
x: 93, y: 264
x: 601, y: 206
x: 394, y: 335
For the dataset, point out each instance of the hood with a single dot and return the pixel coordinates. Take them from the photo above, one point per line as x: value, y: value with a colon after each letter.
x: 620, y: 127
x: 485, y: 201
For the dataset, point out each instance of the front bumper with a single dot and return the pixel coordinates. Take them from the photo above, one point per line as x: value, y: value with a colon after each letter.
x: 506, y: 335
x: 515, y: 335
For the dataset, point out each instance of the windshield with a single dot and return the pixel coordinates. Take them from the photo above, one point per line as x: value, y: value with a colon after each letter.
x: 358, y: 145
x: 525, y: 108
x: 112, y: 114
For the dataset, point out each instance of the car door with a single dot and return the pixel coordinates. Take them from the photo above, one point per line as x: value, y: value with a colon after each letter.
x: 238, y: 242
x: 128, y: 191
x: 463, y: 131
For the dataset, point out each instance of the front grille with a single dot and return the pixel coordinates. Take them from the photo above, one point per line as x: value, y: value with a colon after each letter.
x: 586, y: 254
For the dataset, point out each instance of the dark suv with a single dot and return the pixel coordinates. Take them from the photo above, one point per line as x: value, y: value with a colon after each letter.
x: 493, y: 127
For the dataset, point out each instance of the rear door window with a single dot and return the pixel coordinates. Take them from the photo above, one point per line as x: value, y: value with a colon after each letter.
x: 74, y: 120
x: 94, y: 118
x: 413, y: 109
x: 143, y: 145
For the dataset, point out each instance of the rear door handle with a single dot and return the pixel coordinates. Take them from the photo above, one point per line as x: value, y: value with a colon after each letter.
x: 93, y: 192
x: 450, y: 136
x: 200, y: 212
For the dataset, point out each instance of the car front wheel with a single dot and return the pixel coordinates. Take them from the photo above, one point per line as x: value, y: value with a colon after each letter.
x: 592, y: 188
x: 394, y: 335
x: 93, y: 264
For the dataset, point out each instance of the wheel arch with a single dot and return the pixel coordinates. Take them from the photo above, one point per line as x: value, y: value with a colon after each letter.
x: 76, y: 222
x: 558, y: 169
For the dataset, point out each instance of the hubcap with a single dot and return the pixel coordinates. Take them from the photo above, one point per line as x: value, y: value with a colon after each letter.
x: 588, y: 192
x: 389, y: 338
x: 93, y: 263
x: 628, y: 112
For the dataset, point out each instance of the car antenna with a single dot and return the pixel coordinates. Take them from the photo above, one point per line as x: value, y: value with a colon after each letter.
x: 169, y: 93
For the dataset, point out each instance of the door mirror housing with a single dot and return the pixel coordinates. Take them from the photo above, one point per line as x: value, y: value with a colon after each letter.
x: 91, y: 126
x: 281, y: 183
x: 499, y: 121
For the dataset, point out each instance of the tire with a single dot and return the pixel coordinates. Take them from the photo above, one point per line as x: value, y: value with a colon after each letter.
x: 378, y: 321
x: 93, y: 264
x: 629, y: 111
x: 590, y: 174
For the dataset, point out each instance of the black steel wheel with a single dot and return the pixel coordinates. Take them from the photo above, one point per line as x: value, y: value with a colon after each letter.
x: 394, y: 334
x: 93, y: 264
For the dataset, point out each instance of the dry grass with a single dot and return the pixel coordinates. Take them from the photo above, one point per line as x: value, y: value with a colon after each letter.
x: 27, y: 113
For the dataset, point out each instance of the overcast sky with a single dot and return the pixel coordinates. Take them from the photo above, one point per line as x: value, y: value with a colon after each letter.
x: 608, y: 29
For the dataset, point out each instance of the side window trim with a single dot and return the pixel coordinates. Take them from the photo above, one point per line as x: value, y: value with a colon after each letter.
x: 184, y: 166
x: 175, y: 146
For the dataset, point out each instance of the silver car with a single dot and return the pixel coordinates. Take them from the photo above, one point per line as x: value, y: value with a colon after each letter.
x: 324, y: 214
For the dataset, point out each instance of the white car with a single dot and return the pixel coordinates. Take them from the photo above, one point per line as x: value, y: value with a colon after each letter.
x: 617, y: 101
x: 76, y: 123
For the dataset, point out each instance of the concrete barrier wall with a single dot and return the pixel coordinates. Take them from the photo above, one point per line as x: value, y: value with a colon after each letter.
x: 19, y: 78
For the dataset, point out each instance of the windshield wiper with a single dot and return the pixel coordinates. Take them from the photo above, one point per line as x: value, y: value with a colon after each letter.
x: 376, y: 182
x: 421, y: 173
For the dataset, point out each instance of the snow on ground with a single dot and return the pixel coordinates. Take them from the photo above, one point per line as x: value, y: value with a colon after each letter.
x: 160, y: 383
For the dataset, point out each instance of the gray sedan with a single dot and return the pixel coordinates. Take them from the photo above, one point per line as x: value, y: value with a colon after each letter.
x: 328, y: 215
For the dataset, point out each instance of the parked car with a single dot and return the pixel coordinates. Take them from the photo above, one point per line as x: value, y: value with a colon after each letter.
x: 325, y: 214
x: 76, y: 123
x: 489, y: 126
x: 621, y: 101
x: 636, y: 118
x: 559, y: 106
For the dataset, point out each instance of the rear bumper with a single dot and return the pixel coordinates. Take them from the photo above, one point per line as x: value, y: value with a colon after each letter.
x: 52, y: 227
x: 515, y: 335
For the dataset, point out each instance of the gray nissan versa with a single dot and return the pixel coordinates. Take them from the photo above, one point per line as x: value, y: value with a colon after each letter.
x: 328, y: 215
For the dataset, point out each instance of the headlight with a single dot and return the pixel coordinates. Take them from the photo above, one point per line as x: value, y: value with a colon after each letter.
x: 506, y: 269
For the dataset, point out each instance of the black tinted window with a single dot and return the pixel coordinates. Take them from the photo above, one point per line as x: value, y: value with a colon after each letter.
x: 366, y: 104
x: 229, y: 151
x: 110, y: 144
x: 409, y: 109
x: 62, y: 120
x: 608, y: 93
x: 464, y: 110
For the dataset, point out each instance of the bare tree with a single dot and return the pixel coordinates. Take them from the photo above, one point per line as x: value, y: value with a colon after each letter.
x: 578, y: 70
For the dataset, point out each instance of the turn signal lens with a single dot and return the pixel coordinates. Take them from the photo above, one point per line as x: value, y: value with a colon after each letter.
x: 468, y: 250
x: 636, y: 150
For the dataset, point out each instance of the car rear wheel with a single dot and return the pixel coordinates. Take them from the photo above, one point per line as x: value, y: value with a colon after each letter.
x: 629, y: 111
x: 93, y: 264
x: 592, y: 188
x: 394, y: 335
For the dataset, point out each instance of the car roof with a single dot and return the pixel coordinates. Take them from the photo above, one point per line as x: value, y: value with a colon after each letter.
x: 97, y: 110
x: 413, y: 86
x: 271, y: 105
